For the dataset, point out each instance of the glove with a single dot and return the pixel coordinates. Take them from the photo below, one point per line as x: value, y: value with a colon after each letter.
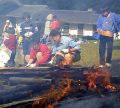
x: 28, y: 65
x: 50, y: 62
x: 33, y: 65
x: 65, y: 50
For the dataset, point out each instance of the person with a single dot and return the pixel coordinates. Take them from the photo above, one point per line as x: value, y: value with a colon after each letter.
x: 47, y: 29
x: 65, y: 50
x: 106, y: 27
x: 8, y: 24
x: 45, y: 39
x: 55, y: 23
x: 11, y: 44
x: 27, y: 31
x: 39, y: 54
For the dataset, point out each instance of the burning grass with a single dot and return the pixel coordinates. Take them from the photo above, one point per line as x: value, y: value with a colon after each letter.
x: 66, y: 86
x: 94, y: 76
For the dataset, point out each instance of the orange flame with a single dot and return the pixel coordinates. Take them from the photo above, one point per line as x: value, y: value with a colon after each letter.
x: 54, y: 94
x: 63, y: 88
x: 50, y: 106
x: 93, y: 75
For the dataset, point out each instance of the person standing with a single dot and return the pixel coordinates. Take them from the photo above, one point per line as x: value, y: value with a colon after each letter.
x: 8, y: 24
x: 45, y: 39
x: 47, y: 29
x: 11, y: 44
x: 106, y: 27
x: 27, y: 31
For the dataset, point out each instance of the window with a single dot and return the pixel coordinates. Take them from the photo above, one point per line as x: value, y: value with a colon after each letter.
x: 66, y: 26
x: 94, y: 28
x: 80, y: 29
x: 65, y: 29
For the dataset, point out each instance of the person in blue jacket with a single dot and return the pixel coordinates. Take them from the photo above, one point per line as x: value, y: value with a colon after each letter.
x: 107, y: 24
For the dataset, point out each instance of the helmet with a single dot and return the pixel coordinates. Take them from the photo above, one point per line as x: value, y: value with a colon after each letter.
x: 26, y: 15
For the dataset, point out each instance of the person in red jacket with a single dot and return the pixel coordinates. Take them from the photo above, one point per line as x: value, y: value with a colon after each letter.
x: 55, y: 24
x: 39, y: 54
x: 11, y: 43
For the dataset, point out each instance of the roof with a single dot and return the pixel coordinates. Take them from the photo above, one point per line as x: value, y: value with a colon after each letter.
x: 66, y: 16
x: 32, y: 9
x: 72, y: 16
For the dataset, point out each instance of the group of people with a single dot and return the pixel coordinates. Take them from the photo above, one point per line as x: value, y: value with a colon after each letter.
x: 64, y: 50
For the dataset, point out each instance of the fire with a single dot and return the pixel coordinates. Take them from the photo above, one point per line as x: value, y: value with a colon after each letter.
x: 50, y: 106
x: 94, y: 75
x: 54, y: 94
x: 110, y: 87
x: 63, y: 87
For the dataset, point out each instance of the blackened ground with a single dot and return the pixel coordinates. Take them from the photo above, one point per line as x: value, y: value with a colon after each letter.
x: 108, y: 101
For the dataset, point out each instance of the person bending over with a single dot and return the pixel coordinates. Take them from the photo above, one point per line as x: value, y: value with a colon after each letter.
x: 65, y: 50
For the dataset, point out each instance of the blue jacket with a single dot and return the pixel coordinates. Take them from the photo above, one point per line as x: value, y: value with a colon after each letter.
x: 110, y: 23
x: 65, y: 43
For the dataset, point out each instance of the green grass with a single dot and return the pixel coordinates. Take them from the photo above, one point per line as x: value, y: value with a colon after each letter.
x: 90, y: 53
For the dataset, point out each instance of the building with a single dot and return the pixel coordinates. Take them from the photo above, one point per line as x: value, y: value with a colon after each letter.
x: 77, y: 22
x: 73, y: 22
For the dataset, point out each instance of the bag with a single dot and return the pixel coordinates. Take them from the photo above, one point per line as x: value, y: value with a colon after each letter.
x: 105, y: 33
x: 96, y: 36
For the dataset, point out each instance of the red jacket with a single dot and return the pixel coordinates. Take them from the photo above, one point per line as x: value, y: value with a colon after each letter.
x: 11, y: 42
x: 46, y: 53
x: 55, y: 24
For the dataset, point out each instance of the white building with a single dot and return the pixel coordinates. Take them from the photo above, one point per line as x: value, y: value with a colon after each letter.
x: 77, y: 22
x: 73, y: 22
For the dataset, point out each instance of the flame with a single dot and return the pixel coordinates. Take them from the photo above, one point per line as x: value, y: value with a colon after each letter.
x: 63, y: 87
x: 50, y: 106
x: 93, y: 75
x: 110, y: 87
x: 54, y: 94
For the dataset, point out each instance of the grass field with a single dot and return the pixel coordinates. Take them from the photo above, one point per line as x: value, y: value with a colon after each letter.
x: 90, y: 55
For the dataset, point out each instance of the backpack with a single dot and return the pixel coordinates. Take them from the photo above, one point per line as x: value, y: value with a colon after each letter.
x: 55, y: 24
